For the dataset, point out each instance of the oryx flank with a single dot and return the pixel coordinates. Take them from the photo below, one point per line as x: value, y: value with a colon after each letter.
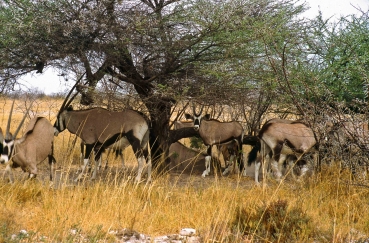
x: 278, y: 140
x: 34, y: 147
x: 99, y: 128
x: 214, y: 132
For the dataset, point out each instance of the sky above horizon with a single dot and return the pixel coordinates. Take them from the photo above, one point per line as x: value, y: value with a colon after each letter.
x: 49, y: 82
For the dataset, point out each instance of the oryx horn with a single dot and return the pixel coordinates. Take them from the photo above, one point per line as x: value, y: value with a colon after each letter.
x: 7, y: 132
x: 21, y: 123
x: 194, y: 110
x: 67, y: 102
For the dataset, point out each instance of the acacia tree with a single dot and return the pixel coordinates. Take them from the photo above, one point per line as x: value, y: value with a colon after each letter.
x: 165, y: 49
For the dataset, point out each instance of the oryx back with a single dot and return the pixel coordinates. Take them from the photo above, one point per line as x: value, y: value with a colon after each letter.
x: 103, y: 126
x: 215, y: 132
x: 182, y: 124
x: 293, y: 137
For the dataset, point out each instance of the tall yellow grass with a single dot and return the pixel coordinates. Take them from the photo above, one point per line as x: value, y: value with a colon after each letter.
x: 335, y: 206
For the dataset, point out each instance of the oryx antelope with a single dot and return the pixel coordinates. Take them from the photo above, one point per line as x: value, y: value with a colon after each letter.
x: 117, y: 148
x: 99, y: 128
x: 214, y: 132
x: 254, y: 157
x: 28, y: 151
x: 228, y: 150
x: 279, y: 139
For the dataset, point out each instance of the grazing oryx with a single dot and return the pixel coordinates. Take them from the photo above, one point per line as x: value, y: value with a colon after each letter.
x: 214, y: 132
x: 99, y: 128
x: 34, y: 147
x: 118, y: 147
x: 279, y: 139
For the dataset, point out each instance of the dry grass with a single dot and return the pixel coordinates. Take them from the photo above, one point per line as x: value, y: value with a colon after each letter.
x: 324, y: 208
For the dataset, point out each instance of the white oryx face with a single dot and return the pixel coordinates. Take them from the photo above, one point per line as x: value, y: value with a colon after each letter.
x: 197, y: 121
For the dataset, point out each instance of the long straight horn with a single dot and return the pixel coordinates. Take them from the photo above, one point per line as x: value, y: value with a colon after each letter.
x: 194, y: 110
x: 7, y: 132
x: 202, y: 108
x: 21, y: 123
x: 66, y: 103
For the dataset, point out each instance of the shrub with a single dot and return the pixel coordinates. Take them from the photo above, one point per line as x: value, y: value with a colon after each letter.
x: 274, y: 222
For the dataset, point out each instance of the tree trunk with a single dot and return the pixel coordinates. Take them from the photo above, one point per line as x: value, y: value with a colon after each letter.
x: 160, y: 111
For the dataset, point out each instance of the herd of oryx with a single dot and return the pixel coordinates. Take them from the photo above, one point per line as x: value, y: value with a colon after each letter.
x: 279, y: 141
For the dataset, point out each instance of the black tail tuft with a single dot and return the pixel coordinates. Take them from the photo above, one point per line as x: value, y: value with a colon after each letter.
x: 253, y: 153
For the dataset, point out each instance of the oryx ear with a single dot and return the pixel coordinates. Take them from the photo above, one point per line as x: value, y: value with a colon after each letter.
x: 188, y: 116
x: 70, y: 108
x: 1, y: 135
x: 207, y: 116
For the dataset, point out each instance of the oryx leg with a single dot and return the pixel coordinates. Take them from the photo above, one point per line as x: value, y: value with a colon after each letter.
x: 140, y: 155
x: 207, y: 162
x: 144, y: 160
x: 244, y: 164
x: 124, y: 144
x: 148, y: 162
x: 257, y: 168
x: 89, y: 148
x: 304, y: 168
x: 264, y: 162
x: 122, y: 158
x: 98, y: 154
x: 51, y: 162
x: 9, y: 171
x: 291, y: 161
x: 107, y: 159
x: 277, y: 164
x: 231, y: 165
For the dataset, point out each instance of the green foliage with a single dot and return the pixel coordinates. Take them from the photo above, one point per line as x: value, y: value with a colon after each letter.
x: 275, y: 222
x: 341, y: 58
x: 196, y: 142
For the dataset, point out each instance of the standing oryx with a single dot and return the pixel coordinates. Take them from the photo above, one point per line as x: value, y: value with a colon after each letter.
x: 214, y: 132
x: 229, y: 150
x: 34, y: 147
x: 280, y: 139
x: 99, y: 128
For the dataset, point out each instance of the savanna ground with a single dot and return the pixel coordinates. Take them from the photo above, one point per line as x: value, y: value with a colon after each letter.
x: 326, y: 207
